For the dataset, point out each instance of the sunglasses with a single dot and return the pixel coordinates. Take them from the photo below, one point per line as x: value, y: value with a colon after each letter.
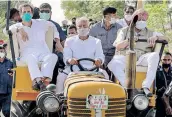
x: 166, y: 59
x: 45, y: 11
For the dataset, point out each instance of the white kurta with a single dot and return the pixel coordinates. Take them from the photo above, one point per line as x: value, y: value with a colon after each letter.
x: 77, y: 48
x: 35, y: 49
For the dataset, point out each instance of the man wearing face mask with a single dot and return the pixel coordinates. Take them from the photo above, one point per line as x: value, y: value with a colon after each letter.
x: 128, y: 11
x: 5, y: 81
x: 33, y: 47
x: 144, y: 53
x: 163, y: 79
x: 106, y: 30
x: 78, y: 47
x: 45, y: 13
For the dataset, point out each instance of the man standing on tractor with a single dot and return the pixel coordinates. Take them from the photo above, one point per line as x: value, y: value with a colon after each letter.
x: 145, y: 56
x: 5, y: 81
x: 106, y: 30
x: 33, y: 47
x: 81, y: 46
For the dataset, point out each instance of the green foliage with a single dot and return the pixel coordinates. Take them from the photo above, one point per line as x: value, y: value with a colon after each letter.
x: 3, y: 10
x: 91, y: 9
x: 159, y: 19
x: 157, y: 16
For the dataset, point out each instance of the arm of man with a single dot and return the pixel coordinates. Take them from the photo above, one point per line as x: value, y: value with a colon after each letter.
x: 159, y: 36
x: 120, y: 43
x: 13, y: 28
x: 59, y: 47
x: 99, y: 56
x: 61, y: 33
x: 67, y: 52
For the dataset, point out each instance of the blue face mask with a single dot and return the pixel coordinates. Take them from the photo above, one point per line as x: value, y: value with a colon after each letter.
x: 45, y: 16
x: 26, y: 17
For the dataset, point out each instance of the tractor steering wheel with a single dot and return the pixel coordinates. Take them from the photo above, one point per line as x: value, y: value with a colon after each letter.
x: 85, y: 69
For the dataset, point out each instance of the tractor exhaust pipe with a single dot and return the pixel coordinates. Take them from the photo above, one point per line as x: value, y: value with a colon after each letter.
x: 131, y: 59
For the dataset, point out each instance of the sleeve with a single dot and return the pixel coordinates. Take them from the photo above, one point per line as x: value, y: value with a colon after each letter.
x: 61, y: 33
x: 157, y: 34
x: 12, y: 28
x: 93, y: 31
x: 99, y: 51
x: 50, y: 24
x: 120, y: 37
x: 67, y: 51
x: 159, y: 84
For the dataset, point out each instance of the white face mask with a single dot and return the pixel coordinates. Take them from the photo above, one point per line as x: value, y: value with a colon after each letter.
x: 83, y: 31
x: 2, y: 54
x: 141, y: 25
x: 112, y: 21
x: 128, y: 17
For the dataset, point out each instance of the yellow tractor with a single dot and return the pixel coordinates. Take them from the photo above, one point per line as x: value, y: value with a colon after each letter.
x: 87, y: 93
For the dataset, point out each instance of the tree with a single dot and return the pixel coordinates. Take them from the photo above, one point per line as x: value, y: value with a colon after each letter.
x: 158, y: 18
x: 3, y: 9
x: 91, y: 9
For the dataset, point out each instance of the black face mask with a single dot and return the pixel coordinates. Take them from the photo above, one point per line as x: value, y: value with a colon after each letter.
x: 166, y: 65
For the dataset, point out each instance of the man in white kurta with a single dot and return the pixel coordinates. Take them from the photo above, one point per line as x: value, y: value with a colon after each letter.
x: 144, y: 52
x: 33, y: 48
x: 78, y: 47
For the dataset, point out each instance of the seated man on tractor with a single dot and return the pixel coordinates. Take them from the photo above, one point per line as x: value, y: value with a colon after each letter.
x: 33, y: 46
x: 78, y: 47
x: 145, y: 56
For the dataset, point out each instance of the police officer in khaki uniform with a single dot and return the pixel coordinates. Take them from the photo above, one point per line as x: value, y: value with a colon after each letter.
x: 144, y: 55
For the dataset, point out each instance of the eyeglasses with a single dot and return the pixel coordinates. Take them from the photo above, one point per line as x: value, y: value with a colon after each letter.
x: 45, y: 11
x: 166, y: 59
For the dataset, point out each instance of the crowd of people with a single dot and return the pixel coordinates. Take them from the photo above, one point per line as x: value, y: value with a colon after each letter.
x: 105, y: 42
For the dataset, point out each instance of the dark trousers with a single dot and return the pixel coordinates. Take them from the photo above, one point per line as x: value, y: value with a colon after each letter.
x: 5, y: 104
x: 59, y: 65
x: 160, y: 108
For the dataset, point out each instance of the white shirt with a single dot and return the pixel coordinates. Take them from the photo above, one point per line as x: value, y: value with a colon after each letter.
x: 77, y: 48
x: 122, y: 22
x: 36, y: 42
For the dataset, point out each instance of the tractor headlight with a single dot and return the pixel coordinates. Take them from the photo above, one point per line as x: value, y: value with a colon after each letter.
x: 140, y: 102
x: 48, y: 102
x: 51, y: 104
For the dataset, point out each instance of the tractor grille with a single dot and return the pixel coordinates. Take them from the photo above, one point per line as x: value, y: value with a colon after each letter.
x: 117, y: 108
x: 77, y: 108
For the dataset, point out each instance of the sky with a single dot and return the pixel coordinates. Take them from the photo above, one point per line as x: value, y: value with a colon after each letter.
x: 57, y: 12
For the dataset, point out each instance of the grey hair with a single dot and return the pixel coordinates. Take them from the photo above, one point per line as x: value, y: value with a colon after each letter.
x: 82, y: 19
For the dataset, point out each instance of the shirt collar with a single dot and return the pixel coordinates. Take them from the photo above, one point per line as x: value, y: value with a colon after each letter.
x: 81, y: 39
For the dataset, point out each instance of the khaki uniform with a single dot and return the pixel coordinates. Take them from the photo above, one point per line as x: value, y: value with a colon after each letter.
x: 140, y: 47
x: 145, y: 56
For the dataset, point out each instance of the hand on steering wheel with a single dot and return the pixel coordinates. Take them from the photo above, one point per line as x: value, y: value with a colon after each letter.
x: 96, y: 62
